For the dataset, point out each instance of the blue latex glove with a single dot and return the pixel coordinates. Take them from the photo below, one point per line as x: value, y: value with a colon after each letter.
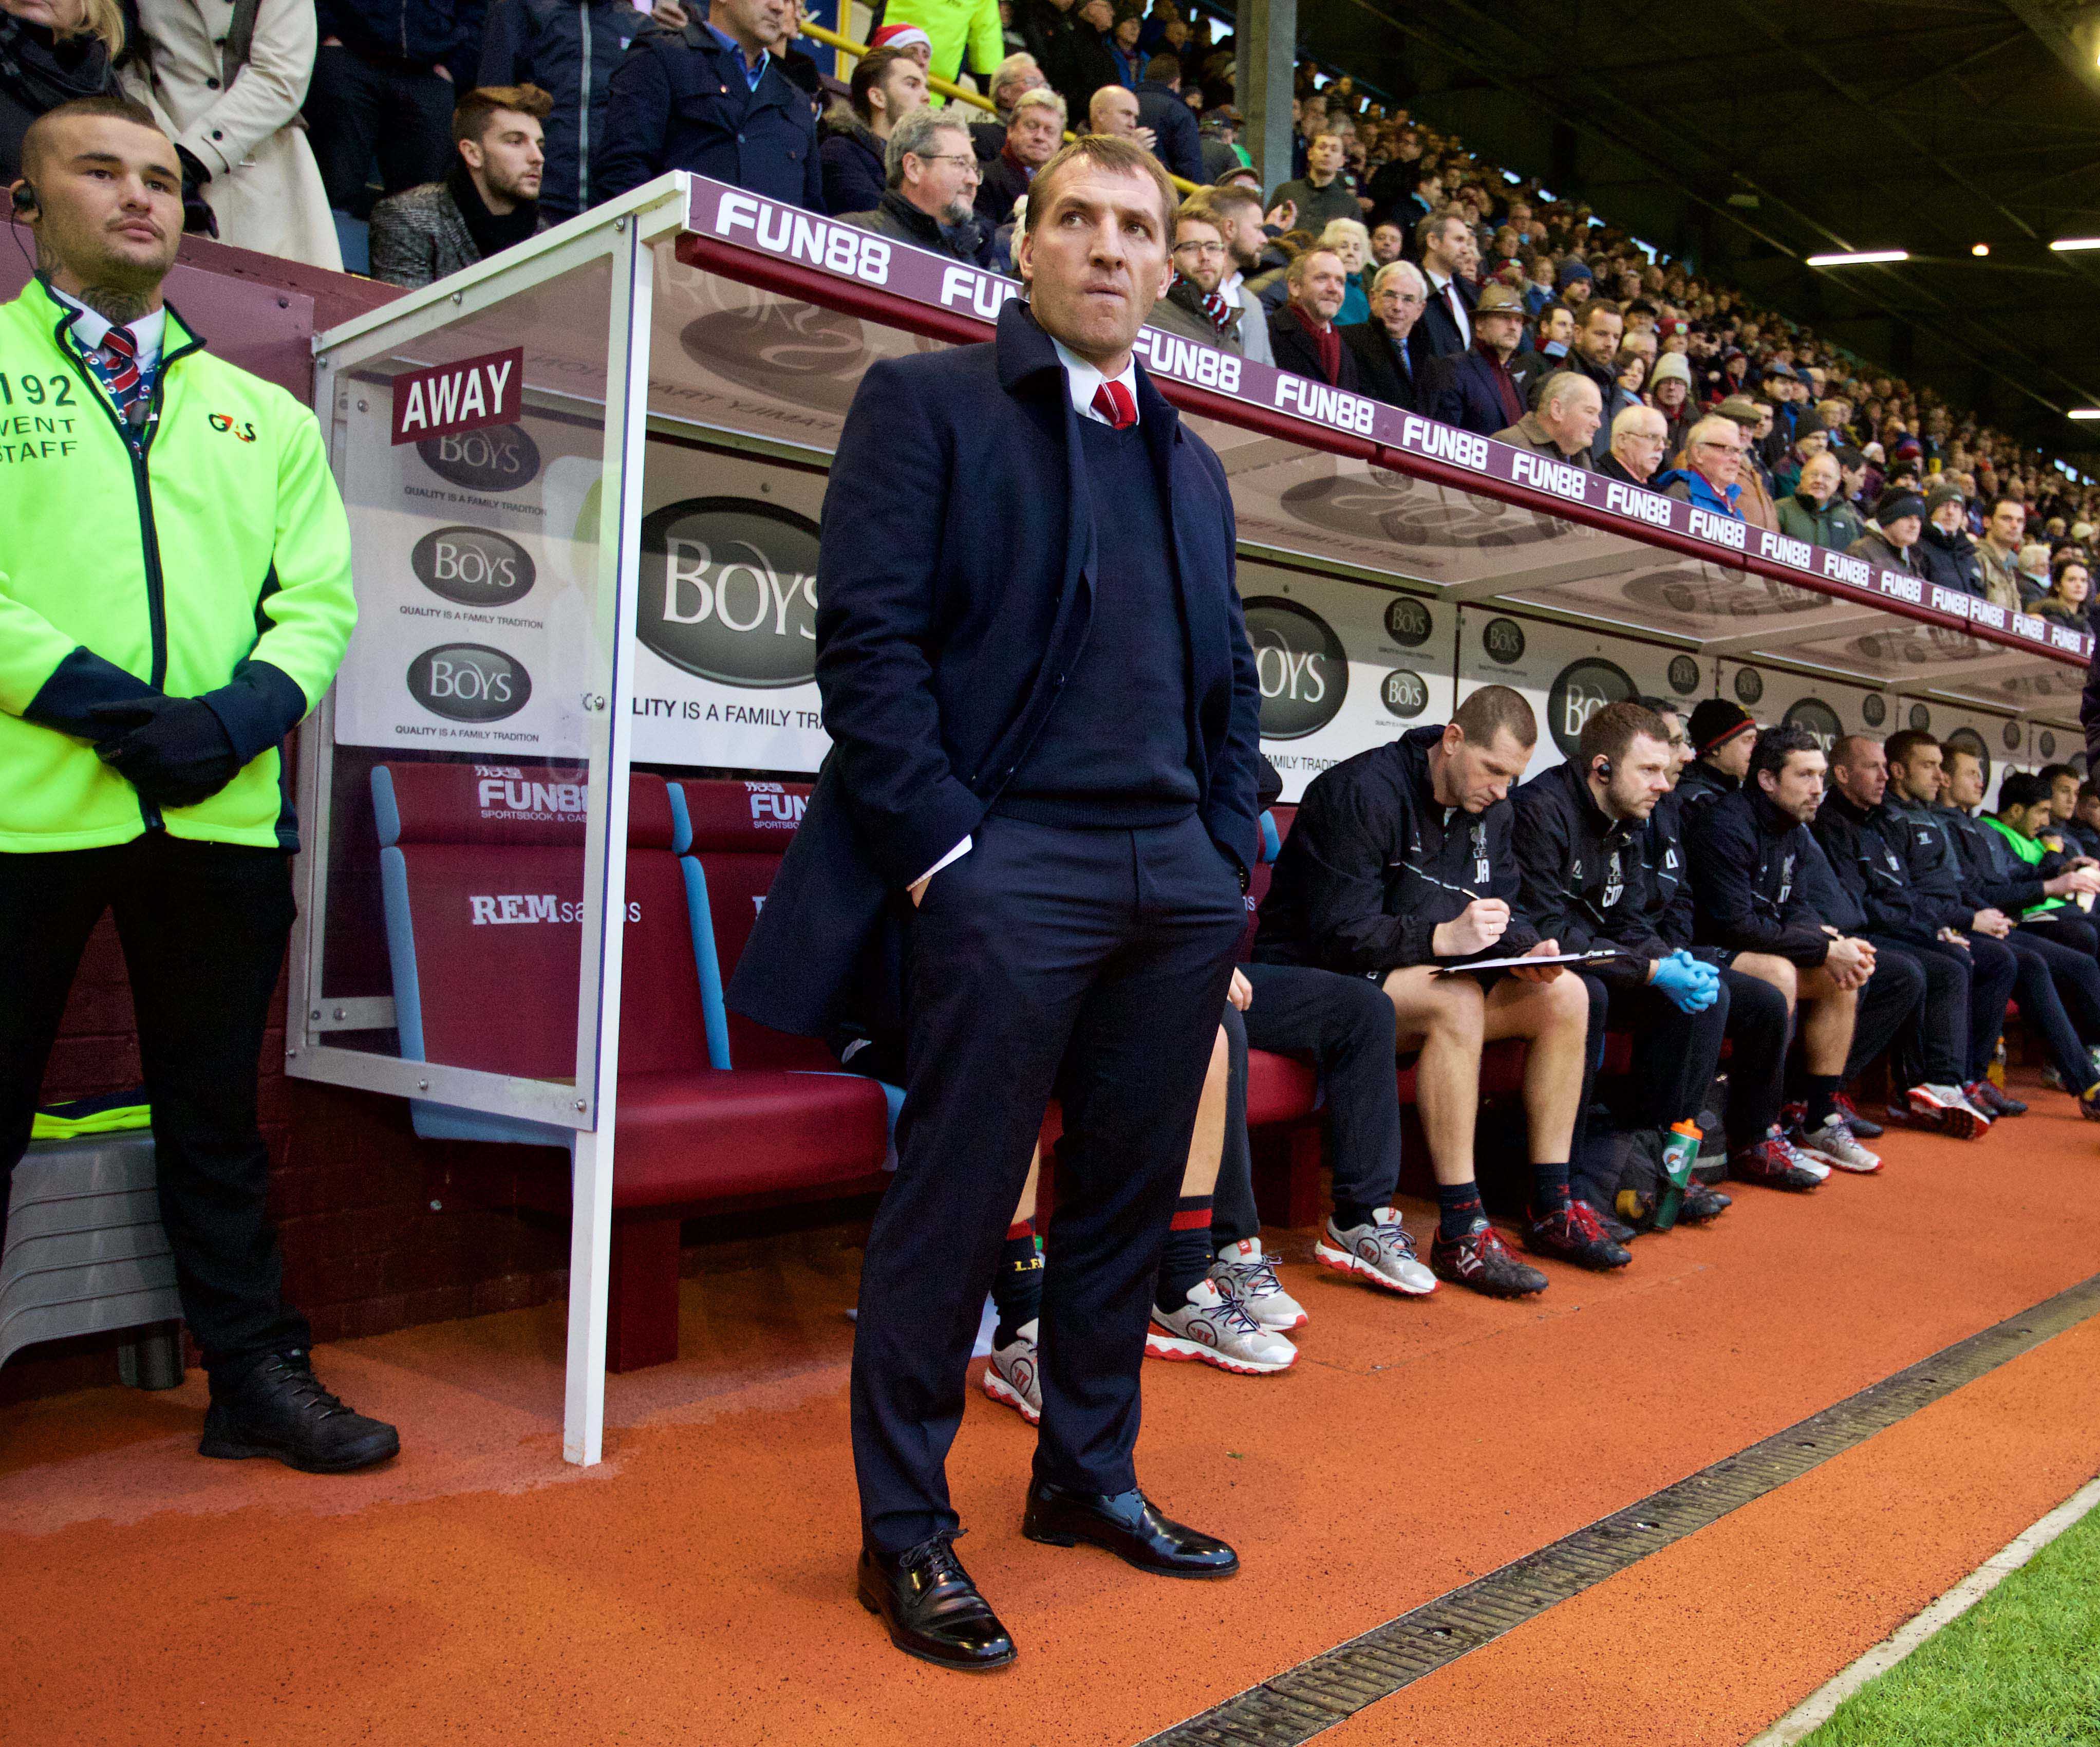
x: 1691, y: 986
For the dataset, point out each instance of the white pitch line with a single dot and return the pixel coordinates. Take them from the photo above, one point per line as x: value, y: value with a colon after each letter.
x: 1814, y: 1711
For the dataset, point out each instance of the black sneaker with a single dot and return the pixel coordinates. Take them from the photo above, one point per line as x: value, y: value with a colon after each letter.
x: 279, y: 1408
x: 1617, y: 1229
x: 1772, y: 1163
x: 1479, y: 1260
x: 1994, y: 1102
x: 1701, y: 1204
x: 1574, y: 1234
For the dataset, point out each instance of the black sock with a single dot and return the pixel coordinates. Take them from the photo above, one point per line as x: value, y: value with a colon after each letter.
x: 1458, y: 1206
x: 1348, y: 1215
x: 1189, y: 1252
x: 1017, y: 1289
x: 1822, y: 1099
x: 1549, y: 1189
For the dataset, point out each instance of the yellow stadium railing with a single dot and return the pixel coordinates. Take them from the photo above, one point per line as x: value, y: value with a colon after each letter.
x: 955, y: 93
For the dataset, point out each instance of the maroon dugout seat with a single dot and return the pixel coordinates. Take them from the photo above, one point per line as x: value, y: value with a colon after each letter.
x: 482, y: 874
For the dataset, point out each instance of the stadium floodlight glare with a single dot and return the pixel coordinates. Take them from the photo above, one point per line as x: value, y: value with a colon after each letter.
x: 2073, y: 244
x: 2085, y: 412
x: 1859, y: 257
x: 1979, y: 249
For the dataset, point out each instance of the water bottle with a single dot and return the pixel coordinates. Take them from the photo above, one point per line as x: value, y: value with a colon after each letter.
x: 1680, y: 1152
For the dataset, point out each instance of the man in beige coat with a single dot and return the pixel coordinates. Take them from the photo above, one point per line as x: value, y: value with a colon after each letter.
x: 240, y: 119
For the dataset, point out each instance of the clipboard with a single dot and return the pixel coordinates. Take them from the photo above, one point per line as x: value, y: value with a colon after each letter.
x: 1532, y: 961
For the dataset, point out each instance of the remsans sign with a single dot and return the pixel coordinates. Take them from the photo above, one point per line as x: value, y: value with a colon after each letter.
x: 1578, y: 692
x: 446, y: 399
x: 1302, y: 666
x: 729, y: 591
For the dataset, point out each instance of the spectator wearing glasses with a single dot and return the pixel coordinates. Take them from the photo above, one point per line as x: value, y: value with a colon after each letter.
x: 1301, y: 334
x: 1013, y: 78
x: 489, y: 201
x: 1384, y: 363
x: 1754, y: 419
x: 712, y: 97
x: 1709, y: 479
x: 1475, y: 389
x: 1236, y: 210
x: 1638, y: 439
x: 1193, y: 306
x: 1402, y: 865
x: 887, y: 86
x: 1032, y: 135
x: 1564, y: 424
x: 1817, y: 511
x: 931, y: 198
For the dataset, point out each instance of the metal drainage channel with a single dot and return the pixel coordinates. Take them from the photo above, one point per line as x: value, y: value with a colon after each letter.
x: 1333, y: 1686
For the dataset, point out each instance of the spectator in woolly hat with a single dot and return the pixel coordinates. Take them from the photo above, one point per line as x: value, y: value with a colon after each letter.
x: 1574, y: 280
x: 1947, y: 552
x: 1892, y: 542
x: 1670, y: 393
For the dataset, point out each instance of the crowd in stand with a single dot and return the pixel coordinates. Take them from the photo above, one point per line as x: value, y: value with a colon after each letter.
x: 1818, y: 915
x: 1391, y: 261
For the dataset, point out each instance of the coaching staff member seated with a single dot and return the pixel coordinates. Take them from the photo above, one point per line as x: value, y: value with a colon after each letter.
x: 1747, y: 853
x: 1399, y: 867
x: 174, y: 596
x: 1047, y: 766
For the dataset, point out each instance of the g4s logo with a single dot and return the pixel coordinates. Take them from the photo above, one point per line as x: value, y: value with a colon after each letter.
x: 245, y: 429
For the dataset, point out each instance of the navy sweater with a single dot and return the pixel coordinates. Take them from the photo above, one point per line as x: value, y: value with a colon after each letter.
x: 1115, y: 750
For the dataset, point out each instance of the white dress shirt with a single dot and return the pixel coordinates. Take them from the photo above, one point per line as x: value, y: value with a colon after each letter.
x: 1441, y: 290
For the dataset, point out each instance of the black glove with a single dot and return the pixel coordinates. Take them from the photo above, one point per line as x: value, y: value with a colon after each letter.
x: 173, y: 750
x: 198, y: 218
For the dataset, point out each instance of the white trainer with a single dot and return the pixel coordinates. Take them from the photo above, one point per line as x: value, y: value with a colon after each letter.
x: 1013, y: 1378
x: 1243, y: 1273
x: 1835, y: 1144
x: 1381, y: 1252
x: 1213, y: 1329
x: 1945, y: 1106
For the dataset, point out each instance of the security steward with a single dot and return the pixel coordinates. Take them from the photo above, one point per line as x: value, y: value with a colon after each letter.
x: 174, y: 597
x: 1585, y: 882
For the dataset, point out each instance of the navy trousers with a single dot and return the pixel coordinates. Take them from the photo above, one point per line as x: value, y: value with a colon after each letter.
x: 2058, y: 988
x: 1089, y: 963
x: 1345, y: 1025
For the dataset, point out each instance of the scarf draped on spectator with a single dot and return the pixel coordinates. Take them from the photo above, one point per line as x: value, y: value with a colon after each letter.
x: 1326, y: 339
x: 1212, y: 306
x: 492, y: 232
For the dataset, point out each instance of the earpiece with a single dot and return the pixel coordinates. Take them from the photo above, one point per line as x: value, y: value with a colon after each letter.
x: 25, y: 198
x: 1604, y: 769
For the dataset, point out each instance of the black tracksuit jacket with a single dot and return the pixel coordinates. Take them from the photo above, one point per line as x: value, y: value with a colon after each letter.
x: 1584, y: 876
x: 1374, y: 865
x: 1747, y: 879
x: 1869, y: 853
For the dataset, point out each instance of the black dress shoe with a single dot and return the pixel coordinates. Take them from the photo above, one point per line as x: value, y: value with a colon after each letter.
x: 1128, y: 1526
x: 931, y: 1606
x: 278, y: 1408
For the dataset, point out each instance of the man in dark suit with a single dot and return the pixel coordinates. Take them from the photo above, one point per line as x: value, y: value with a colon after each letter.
x: 1043, y: 773
x: 714, y: 99
x: 1176, y: 140
x: 1474, y: 389
x: 1301, y: 334
x: 1450, y: 254
x: 1380, y: 344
